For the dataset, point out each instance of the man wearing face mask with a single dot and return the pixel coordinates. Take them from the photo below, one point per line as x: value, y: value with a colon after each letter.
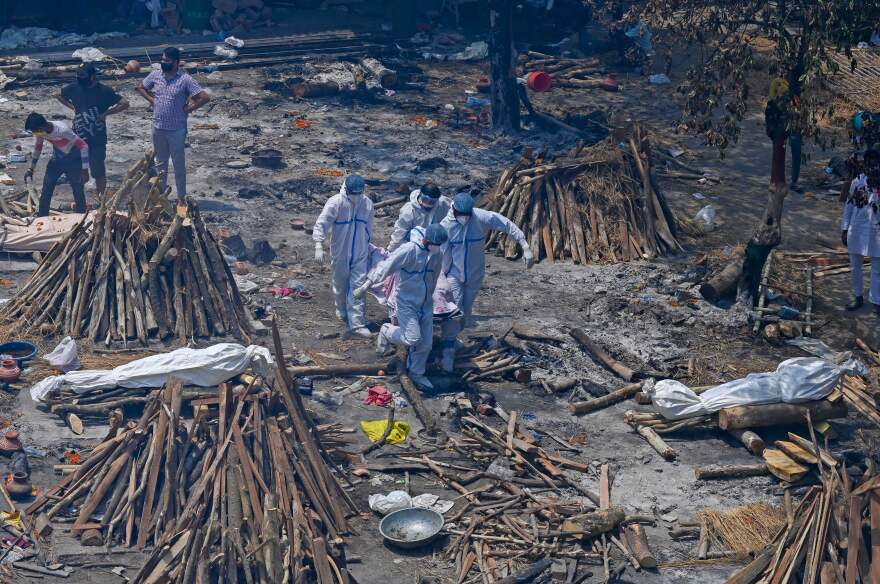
x: 347, y: 219
x: 861, y: 231
x: 70, y: 157
x: 417, y: 265
x: 464, y: 261
x: 92, y: 102
x: 174, y: 95
x: 425, y: 207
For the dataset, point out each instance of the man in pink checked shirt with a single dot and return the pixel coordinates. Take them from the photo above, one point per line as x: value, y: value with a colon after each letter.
x: 70, y: 157
x: 173, y: 95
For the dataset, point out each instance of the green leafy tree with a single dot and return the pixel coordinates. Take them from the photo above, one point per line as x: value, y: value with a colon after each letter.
x: 724, y: 37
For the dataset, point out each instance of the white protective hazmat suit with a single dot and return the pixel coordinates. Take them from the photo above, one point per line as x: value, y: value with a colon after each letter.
x: 417, y: 271
x: 860, y: 222
x: 413, y: 214
x: 348, y: 223
x: 464, y: 261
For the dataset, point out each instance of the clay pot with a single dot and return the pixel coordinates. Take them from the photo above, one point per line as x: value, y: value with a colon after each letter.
x: 9, y: 443
x: 9, y: 370
x: 19, y: 487
x: 132, y: 66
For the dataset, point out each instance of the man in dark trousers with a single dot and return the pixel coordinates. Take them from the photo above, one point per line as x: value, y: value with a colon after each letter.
x: 173, y: 95
x: 92, y: 102
x: 70, y: 157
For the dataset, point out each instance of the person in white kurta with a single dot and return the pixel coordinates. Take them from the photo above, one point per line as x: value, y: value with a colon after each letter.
x: 861, y: 235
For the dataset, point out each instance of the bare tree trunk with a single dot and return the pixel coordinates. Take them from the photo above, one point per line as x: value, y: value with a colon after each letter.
x: 502, y: 60
x: 768, y: 234
x: 777, y: 166
x: 769, y: 230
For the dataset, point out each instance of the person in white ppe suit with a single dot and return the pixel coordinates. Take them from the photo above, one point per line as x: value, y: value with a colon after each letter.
x: 464, y: 261
x: 426, y: 206
x: 861, y: 233
x: 417, y: 265
x: 347, y: 219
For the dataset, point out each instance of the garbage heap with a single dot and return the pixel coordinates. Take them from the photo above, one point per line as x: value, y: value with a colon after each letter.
x: 593, y: 204
x: 150, y: 272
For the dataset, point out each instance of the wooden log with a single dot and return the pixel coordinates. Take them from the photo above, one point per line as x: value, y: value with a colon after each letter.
x: 602, y: 356
x: 656, y: 442
x: 751, y: 572
x: 390, y: 202
x: 827, y: 458
x: 874, y: 509
x: 340, y: 370
x: 724, y: 281
x: 314, y: 89
x: 534, y: 334
x: 595, y: 523
x: 782, y: 466
x: 612, y: 398
x: 749, y: 439
x: 562, y: 384
x: 387, y: 78
x: 759, y: 416
x: 730, y: 471
x: 796, y: 453
x: 414, y: 396
x: 637, y: 540
x: 527, y: 574
x: 854, y: 539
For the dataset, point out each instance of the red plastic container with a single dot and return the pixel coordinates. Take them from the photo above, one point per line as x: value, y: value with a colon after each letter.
x: 539, y: 82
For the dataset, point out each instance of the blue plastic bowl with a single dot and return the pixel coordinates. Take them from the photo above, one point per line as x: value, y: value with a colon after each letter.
x: 21, y: 351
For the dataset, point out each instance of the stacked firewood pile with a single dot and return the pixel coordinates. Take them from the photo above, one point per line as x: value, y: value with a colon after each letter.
x: 831, y: 535
x: 242, y: 493
x: 152, y: 272
x: 594, y: 204
x: 862, y: 396
x: 565, y: 72
x: 502, y: 523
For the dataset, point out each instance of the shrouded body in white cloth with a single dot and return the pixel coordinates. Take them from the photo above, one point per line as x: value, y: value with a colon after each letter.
x: 797, y: 380
x: 203, y: 367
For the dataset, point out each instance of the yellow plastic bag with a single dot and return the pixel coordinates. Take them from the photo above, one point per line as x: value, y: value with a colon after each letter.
x: 374, y: 430
x: 13, y: 519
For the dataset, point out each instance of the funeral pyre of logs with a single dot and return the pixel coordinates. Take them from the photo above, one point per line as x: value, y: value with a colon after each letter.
x: 242, y: 492
x: 593, y: 204
x: 151, y: 272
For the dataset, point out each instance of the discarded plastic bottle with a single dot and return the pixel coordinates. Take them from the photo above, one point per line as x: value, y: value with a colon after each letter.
x: 328, y: 399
